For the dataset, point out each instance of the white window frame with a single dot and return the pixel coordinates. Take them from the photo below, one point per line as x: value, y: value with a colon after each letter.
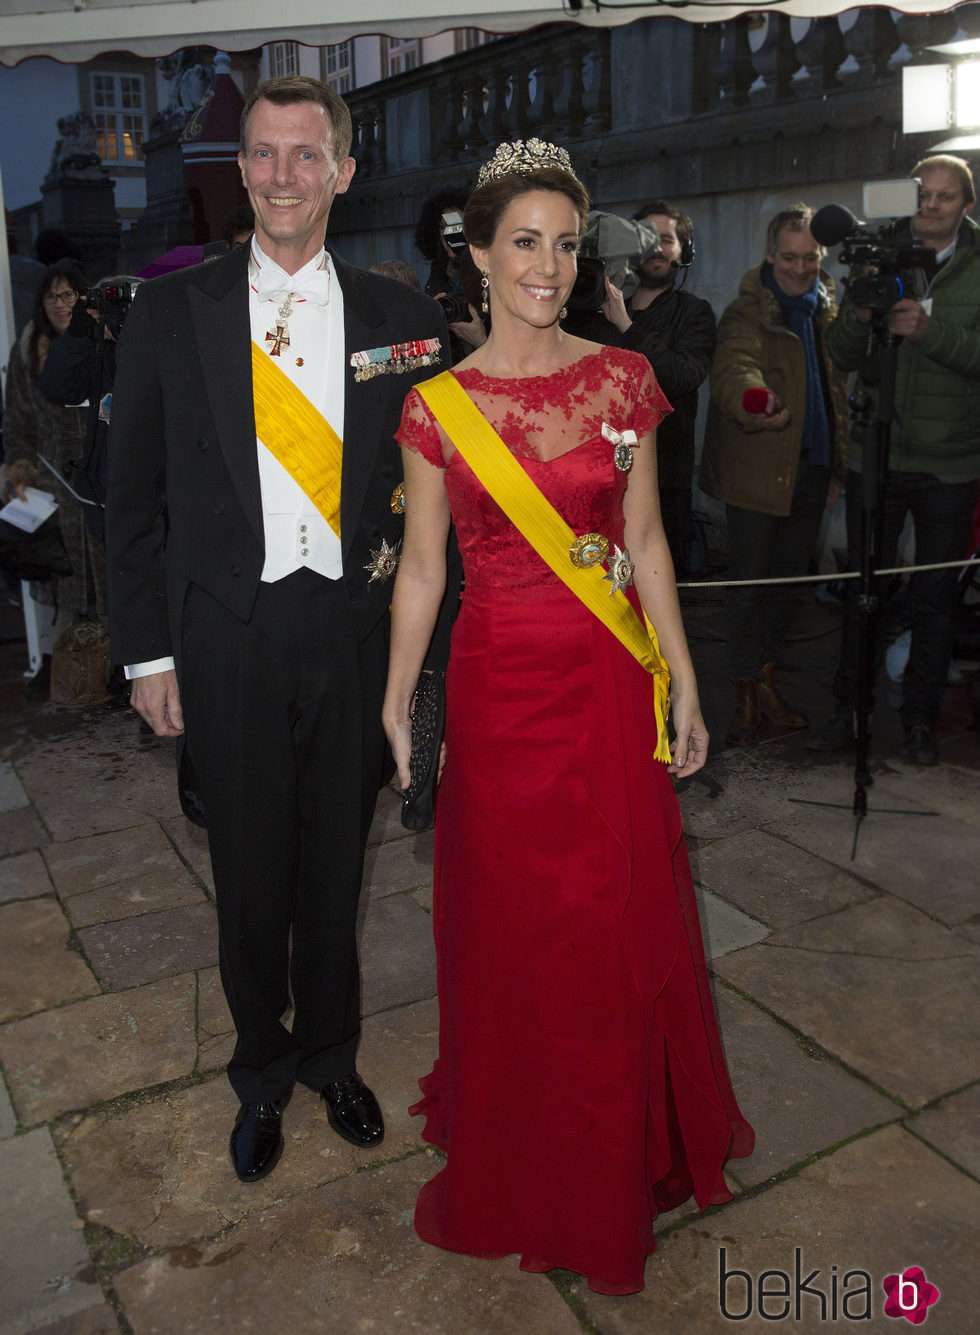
x: 283, y: 59
x: 402, y: 55
x: 338, y: 66
x: 120, y: 128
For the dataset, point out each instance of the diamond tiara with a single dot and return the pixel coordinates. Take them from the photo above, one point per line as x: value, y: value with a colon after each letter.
x: 523, y: 158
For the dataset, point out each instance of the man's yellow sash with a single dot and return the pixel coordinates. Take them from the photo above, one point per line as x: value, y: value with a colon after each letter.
x: 543, y: 527
x: 300, y: 438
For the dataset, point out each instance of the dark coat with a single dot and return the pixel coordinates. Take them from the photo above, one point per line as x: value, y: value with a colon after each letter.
x: 184, y: 501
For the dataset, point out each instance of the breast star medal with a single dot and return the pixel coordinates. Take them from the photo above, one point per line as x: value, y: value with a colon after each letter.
x: 620, y: 570
x: 384, y: 562
x: 588, y: 550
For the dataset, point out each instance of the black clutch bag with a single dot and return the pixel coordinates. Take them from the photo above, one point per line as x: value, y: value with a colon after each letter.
x: 428, y: 725
x: 40, y: 555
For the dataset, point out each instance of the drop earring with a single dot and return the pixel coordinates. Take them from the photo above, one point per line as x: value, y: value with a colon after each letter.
x: 563, y: 313
x: 485, y: 284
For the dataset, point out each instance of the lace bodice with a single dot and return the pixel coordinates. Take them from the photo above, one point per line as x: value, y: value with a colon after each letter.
x: 553, y: 425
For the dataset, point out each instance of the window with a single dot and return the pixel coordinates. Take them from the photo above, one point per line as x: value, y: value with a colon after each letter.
x: 119, y: 112
x: 403, y: 55
x: 468, y: 38
x: 283, y: 59
x: 338, y: 66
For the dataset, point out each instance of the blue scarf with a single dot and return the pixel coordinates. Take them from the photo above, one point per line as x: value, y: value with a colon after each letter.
x: 800, y: 313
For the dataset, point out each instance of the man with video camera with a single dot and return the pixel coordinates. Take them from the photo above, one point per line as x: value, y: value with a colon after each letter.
x: 934, y: 458
x: 675, y: 331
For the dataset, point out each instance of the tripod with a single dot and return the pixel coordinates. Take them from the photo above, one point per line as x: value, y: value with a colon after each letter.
x: 874, y: 472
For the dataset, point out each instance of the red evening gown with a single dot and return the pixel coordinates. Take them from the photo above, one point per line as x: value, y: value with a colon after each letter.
x: 580, y: 1086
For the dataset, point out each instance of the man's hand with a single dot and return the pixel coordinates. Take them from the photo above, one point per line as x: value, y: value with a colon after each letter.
x: 614, y: 308
x: 834, y: 492
x: 471, y: 331
x: 774, y: 423
x: 908, y: 319
x: 157, y: 698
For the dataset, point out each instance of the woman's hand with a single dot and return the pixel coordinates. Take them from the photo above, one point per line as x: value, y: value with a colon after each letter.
x: 689, y: 748
x: 20, y: 475
x: 400, y: 740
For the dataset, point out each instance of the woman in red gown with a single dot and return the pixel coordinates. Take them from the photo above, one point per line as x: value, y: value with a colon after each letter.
x: 580, y: 1086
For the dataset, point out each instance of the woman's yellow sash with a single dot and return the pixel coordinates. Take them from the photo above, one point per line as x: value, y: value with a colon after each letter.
x: 540, y: 523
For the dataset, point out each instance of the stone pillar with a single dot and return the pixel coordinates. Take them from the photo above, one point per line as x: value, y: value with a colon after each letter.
x: 209, y: 144
x: 78, y: 196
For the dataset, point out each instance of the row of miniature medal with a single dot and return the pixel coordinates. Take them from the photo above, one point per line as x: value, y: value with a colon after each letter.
x: 588, y: 550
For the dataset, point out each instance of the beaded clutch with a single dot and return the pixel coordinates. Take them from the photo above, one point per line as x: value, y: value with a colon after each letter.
x: 428, y: 725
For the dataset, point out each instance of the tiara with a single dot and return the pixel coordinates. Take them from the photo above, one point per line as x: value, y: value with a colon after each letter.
x: 524, y: 157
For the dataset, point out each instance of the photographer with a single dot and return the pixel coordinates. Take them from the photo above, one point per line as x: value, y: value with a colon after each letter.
x: 675, y: 331
x: 934, y: 457
x: 453, y: 279
x: 82, y: 366
x: 776, y: 429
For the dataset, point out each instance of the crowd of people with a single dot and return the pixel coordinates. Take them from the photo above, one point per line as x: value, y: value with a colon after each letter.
x: 307, y: 462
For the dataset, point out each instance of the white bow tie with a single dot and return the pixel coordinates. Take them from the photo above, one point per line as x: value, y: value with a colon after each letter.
x: 274, y: 285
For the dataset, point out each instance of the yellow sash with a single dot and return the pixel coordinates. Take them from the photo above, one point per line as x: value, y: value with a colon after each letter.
x: 298, y: 436
x: 539, y: 522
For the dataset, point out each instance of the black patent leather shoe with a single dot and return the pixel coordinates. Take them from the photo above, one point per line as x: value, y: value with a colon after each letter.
x: 256, y: 1140
x: 353, y: 1112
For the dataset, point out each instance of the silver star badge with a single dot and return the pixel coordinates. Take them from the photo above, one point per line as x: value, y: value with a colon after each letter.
x: 384, y: 563
x: 620, y: 570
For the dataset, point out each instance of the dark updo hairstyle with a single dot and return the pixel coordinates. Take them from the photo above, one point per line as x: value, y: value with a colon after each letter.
x: 488, y: 203
x: 40, y: 320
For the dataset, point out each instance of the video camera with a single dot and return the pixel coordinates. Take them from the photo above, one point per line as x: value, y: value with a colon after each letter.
x: 884, y: 255
x: 612, y: 247
x: 111, y: 303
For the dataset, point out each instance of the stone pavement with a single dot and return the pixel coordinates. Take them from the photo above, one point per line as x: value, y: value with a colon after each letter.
x: 847, y: 993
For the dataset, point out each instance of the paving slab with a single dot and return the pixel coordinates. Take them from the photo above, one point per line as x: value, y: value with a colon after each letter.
x: 880, y: 1016
x: 399, y: 864
x: 952, y: 1128
x: 725, y: 928
x: 38, y: 966
x: 93, y: 1321
x: 100, y: 777
x: 191, y: 843
x: 12, y: 795
x: 8, y: 1118
x: 739, y: 789
x: 98, y: 1049
x: 21, y: 830
x: 880, y: 1204
x: 160, y: 1173
x: 45, y: 1270
x: 155, y: 945
x: 929, y: 861
x: 215, y: 1031
x: 799, y: 1103
x: 24, y: 876
x: 118, y: 875
x: 884, y: 927
x: 343, y: 1259
x: 774, y: 881
x: 398, y: 959
x: 387, y: 823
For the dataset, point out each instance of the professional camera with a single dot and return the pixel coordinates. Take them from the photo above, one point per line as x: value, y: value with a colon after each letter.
x: 455, y: 307
x: 452, y: 231
x: 111, y: 303
x: 887, y: 258
x: 612, y: 247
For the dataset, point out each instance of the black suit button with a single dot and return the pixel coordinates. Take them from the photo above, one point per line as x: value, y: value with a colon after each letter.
x: 236, y: 571
x: 387, y: 471
x: 203, y: 443
x: 376, y: 532
x: 219, y: 508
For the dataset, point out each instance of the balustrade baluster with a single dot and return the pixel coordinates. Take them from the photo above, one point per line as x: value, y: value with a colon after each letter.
x: 520, y: 99
x: 494, y: 122
x: 470, y: 133
x: 776, y: 60
x: 733, y: 67
x: 872, y: 41
x: 449, y: 141
x: 822, y: 51
x: 597, y: 98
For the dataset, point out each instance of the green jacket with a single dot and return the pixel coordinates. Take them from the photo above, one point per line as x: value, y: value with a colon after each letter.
x: 937, y: 379
x: 743, y: 464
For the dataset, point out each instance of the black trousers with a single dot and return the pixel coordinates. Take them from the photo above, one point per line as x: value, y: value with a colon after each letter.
x: 942, y: 514
x: 283, y: 722
x: 764, y: 546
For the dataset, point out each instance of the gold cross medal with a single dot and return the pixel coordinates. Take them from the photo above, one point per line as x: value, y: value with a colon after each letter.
x: 384, y: 562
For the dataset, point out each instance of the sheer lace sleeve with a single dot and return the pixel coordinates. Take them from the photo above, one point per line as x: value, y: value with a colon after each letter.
x: 418, y: 430
x: 650, y: 406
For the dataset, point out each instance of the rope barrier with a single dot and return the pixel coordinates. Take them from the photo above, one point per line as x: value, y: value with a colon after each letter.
x: 825, y: 578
